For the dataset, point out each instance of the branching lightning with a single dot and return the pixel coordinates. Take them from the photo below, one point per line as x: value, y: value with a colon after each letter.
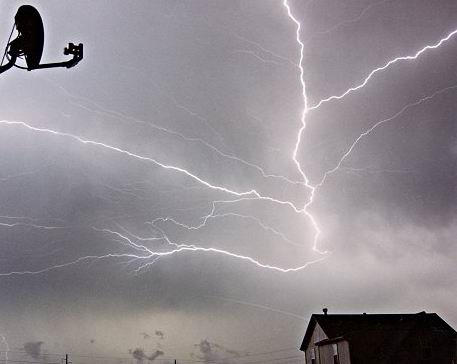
x: 378, y: 124
x: 179, y: 135
x: 150, y: 256
x: 350, y: 21
x: 214, y: 215
x: 267, y: 51
x: 43, y: 227
x: 382, y: 68
x: 249, y: 193
x: 181, y: 248
x: 143, y: 254
x: 301, y: 130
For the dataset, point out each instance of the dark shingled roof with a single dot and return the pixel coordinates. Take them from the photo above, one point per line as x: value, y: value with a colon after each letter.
x: 372, y: 337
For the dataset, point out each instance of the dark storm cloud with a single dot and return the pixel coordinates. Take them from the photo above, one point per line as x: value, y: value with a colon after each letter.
x: 33, y: 349
x: 211, y: 353
x: 140, y: 355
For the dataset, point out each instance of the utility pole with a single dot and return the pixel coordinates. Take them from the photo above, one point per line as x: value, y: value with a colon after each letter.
x: 65, y: 360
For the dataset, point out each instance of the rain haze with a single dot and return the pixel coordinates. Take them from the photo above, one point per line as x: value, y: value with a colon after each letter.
x: 163, y: 200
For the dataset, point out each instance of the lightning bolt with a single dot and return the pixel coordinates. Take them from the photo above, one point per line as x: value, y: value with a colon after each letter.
x: 177, y: 134
x: 267, y: 51
x: 151, y: 257
x: 256, y: 56
x: 43, y: 227
x: 347, y: 22
x: 377, y: 125
x: 384, y: 67
x: 213, y: 215
x: 32, y: 220
x: 249, y: 193
x: 184, y: 247
x: 311, y: 188
x: 252, y: 194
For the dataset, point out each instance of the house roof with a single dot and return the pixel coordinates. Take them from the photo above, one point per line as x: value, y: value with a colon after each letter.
x: 385, y: 332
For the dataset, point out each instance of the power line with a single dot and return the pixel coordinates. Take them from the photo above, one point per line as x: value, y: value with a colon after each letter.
x: 250, y: 355
x: 270, y: 360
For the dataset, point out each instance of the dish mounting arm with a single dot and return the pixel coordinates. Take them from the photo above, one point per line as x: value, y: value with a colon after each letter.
x: 77, y: 52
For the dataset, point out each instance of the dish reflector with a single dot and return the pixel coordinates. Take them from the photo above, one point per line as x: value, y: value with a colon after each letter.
x: 31, y: 34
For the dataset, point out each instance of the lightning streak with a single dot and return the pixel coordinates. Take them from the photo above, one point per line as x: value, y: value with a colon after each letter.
x: 177, y: 134
x: 256, y: 305
x: 152, y: 255
x: 306, y: 109
x: 311, y: 188
x: 181, y: 248
x: 256, y: 56
x: 68, y: 264
x: 43, y: 227
x: 382, y: 68
x: 351, y: 21
x: 244, y: 217
x: 250, y: 193
x: 133, y: 155
x: 378, y: 124
x: 259, y: 46
x: 213, y: 215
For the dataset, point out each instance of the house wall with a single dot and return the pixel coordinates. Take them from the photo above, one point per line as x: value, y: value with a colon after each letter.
x: 318, y: 335
x: 343, y: 352
x: 326, y: 353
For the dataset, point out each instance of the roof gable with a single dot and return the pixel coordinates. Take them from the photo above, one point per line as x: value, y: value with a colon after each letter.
x: 309, y: 332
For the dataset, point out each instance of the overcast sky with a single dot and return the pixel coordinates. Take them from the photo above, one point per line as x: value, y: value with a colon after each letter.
x: 177, y: 133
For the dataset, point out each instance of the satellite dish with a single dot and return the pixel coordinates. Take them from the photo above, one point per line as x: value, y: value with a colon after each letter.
x: 31, y: 35
x: 30, y: 41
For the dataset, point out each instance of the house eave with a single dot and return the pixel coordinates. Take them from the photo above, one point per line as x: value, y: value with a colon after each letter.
x: 332, y: 340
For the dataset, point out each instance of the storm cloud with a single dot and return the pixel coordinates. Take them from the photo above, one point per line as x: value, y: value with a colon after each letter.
x: 211, y: 353
x: 140, y: 355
